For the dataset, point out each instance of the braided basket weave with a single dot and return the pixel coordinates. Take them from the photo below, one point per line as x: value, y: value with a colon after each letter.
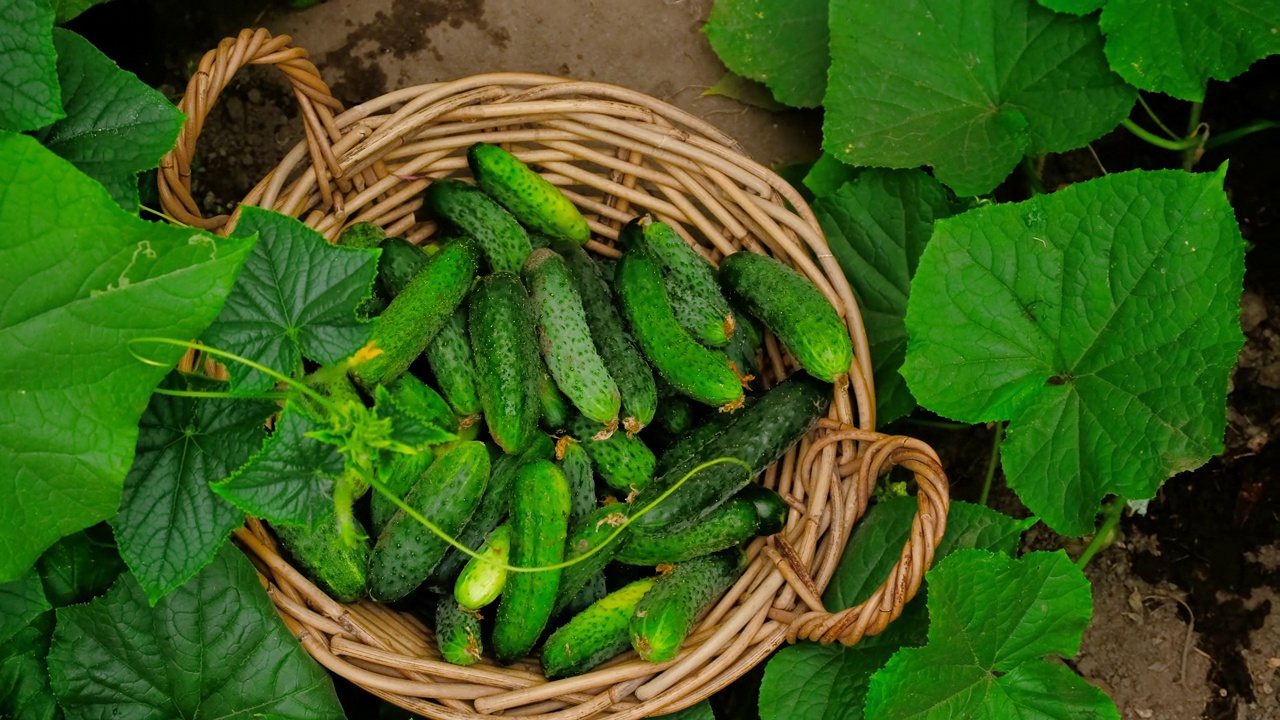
x: 615, y: 153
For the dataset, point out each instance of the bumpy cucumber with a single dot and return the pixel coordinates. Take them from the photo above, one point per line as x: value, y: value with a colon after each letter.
x: 362, y: 235
x: 771, y: 509
x: 539, y: 526
x: 555, y: 407
x: 665, y: 615
x: 794, y: 309
x: 626, y: 365
x: 450, y: 359
x: 457, y: 632
x: 594, y: 635
x: 576, y: 466
x: 534, y: 201
x: 338, y: 567
x: 757, y: 436
x: 734, y: 522
x: 631, y: 236
x: 472, y: 213
x: 415, y: 397
x: 480, y: 583
x: 692, y: 287
x: 688, y: 445
x: 592, y: 531
x: 399, y: 262
x: 695, y: 371
x: 414, y: 317
x: 506, y: 357
x: 624, y: 462
x: 405, y: 472
x: 565, y: 339
x: 446, y: 494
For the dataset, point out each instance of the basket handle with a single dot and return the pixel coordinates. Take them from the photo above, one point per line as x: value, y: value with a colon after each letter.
x: 216, y: 69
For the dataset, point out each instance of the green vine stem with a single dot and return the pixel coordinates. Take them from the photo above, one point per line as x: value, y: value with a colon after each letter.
x: 991, y: 463
x: 1156, y: 118
x: 1106, y: 533
x: 1150, y: 137
x: 1191, y: 155
x: 1233, y: 135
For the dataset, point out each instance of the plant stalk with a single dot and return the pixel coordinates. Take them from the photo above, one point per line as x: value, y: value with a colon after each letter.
x: 991, y: 464
x: 1192, y: 154
x: 1244, y: 131
x: 1106, y: 531
x: 1150, y: 137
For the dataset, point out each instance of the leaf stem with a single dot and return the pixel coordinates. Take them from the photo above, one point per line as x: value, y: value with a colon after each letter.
x: 991, y: 463
x: 1150, y: 137
x: 1192, y: 154
x: 1105, y: 535
x: 1240, y: 132
x: 1156, y: 118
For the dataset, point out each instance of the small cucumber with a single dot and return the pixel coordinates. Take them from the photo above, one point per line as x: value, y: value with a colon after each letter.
x: 480, y: 583
x: 506, y: 357
x: 446, y: 494
x: 362, y: 235
x: 338, y: 567
x: 405, y: 472
x: 600, y: 632
x: 539, y: 527
x: 692, y: 287
x: 734, y: 522
x: 555, y: 407
x: 457, y: 632
x: 399, y: 262
x: 626, y: 365
x: 534, y: 201
x: 794, y: 309
x: 450, y: 359
x: 757, y: 436
x: 695, y: 371
x: 576, y: 466
x: 770, y: 508
x: 414, y: 317
x: 565, y: 339
x: 472, y: 213
x: 666, y: 614
x: 592, y: 531
x: 624, y: 462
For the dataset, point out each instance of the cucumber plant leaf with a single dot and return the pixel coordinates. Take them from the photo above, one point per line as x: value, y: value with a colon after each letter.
x: 171, y: 522
x: 21, y: 601
x: 81, y: 280
x: 29, y: 93
x: 828, y: 175
x: 698, y: 711
x: 877, y: 226
x: 781, y: 43
x: 80, y: 567
x: 992, y: 620
x: 745, y: 91
x: 1176, y: 47
x: 1102, y: 321
x: 969, y: 88
x: 1075, y: 7
x: 24, y: 681
x: 214, y: 648
x: 296, y: 297
x: 67, y: 10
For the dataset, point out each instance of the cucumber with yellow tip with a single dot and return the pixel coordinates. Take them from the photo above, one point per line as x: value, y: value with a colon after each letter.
x: 483, y: 578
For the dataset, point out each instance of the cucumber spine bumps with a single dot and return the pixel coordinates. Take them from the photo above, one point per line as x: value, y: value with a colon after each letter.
x: 339, y: 567
x: 666, y: 614
x: 691, y: 283
x: 507, y: 365
x: 596, y: 634
x: 449, y: 356
x: 472, y: 213
x: 534, y: 201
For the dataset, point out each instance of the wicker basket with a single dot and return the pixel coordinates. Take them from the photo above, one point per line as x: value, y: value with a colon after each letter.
x: 614, y: 152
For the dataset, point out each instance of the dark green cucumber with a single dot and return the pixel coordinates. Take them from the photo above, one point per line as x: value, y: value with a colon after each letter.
x: 675, y: 415
x: 506, y: 357
x: 736, y: 520
x: 591, y: 532
x: 555, y: 407
x: 457, y: 632
x: 695, y: 371
x: 688, y: 445
x: 414, y: 317
x: 493, y: 508
x: 794, y: 309
x: 593, y: 590
x: 565, y: 340
x: 623, y: 359
x: 535, y: 202
x: 596, y: 634
x: 470, y: 212
x: 338, y: 567
x: 539, y: 527
x: 631, y: 236
x: 624, y: 462
x: 699, y: 305
x: 399, y: 262
x: 770, y: 508
x: 411, y: 395
x: 405, y: 472
x: 758, y: 436
x: 446, y: 494
x: 576, y: 466
x: 666, y: 614
x: 480, y: 583
x: 450, y: 359
x: 362, y: 235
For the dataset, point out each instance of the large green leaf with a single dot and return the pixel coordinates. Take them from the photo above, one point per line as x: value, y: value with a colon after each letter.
x: 214, y: 648
x: 1102, y: 321
x: 171, y: 522
x: 992, y: 620
x: 969, y: 87
x: 80, y: 280
x: 24, y: 687
x: 29, y: 96
x: 296, y: 297
x: 781, y: 43
x: 1075, y: 7
x: 21, y: 601
x: 79, y: 567
x: 69, y: 9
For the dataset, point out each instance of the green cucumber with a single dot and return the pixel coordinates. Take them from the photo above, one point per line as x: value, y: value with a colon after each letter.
x: 757, y: 436
x: 666, y: 614
x: 771, y: 509
x: 565, y: 339
x: 506, y: 357
x: 576, y: 466
x: 446, y: 494
x: 362, y: 236
x: 687, y: 445
x: 623, y: 461
x: 414, y: 317
x: 695, y: 371
x: 457, y: 632
x: 794, y: 309
x: 336, y: 566
x: 592, y: 531
x: 631, y: 236
x: 480, y: 583
x: 405, y: 472
x: 623, y: 359
x: 554, y: 406
x: 596, y: 634
x: 594, y: 589
x: 399, y: 262
x: 538, y: 240
x: 472, y: 213
x: 699, y: 305
x: 535, y: 202
x: 451, y: 362
x: 539, y: 526
x: 736, y: 520
x: 675, y: 415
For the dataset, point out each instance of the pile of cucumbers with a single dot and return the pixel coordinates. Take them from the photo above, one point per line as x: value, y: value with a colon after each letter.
x: 561, y: 373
